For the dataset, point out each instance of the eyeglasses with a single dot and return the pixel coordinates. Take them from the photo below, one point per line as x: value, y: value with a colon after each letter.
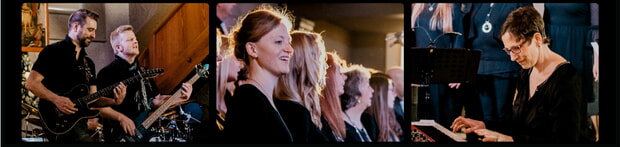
x: 514, y: 49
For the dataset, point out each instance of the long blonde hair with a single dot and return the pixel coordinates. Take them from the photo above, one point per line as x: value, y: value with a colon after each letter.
x: 306, y: 79
x: 442, y: 17
x: 224, y: 52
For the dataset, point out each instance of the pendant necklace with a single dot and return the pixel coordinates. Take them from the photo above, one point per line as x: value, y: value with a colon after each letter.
x: 487, y: 27
x: 430, y: 6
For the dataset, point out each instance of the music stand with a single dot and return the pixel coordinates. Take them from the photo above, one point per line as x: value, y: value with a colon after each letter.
x: 442, y: 65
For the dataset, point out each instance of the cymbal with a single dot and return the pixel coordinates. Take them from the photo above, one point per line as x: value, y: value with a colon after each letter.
x: 35, y: 132
x: 31, y: 109
x: 168, y: 113
x: 181, y: 103
x: 35, y: 121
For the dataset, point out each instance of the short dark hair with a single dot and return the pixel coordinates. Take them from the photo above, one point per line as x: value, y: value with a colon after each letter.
x: 80, y: 17
x: 523, y: 23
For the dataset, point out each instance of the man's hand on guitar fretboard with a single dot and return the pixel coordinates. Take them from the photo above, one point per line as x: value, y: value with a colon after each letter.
x: 186, y: 94
x: 119, y: 93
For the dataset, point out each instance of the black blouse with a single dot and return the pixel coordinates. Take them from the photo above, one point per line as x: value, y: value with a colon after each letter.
x: 299, y: 122
x: 250, y: 118
x: 555, y: 113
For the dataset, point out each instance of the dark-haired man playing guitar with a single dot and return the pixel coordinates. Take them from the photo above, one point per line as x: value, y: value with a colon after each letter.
x: 62, y: 71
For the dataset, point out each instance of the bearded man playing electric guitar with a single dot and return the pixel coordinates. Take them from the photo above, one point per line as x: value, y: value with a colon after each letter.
x: 62, y: 74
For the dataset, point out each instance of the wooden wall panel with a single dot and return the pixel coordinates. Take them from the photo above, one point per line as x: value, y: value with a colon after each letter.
x: 179, y: 43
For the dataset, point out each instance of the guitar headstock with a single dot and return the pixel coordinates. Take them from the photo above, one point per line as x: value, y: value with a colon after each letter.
x: 152, y: 72
x: 202, y: 70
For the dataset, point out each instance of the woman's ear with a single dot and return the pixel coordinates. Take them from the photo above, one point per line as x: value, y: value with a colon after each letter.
x: 538, y: 38
x: 250, y: 47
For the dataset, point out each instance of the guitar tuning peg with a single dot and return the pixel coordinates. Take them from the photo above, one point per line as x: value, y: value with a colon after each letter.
x: 203, y: 70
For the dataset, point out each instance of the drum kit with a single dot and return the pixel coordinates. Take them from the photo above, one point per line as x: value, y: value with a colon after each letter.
x: 31, y: 128
x: 174, y: 126
x: 171, y: 127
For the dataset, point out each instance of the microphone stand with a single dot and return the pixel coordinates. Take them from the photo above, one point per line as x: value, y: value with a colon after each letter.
x: 452, y: 35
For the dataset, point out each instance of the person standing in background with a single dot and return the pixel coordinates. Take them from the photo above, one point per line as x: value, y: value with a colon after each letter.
x: 223, y: 12
x: 382, y: 107
x: 298, y: 93
x: 397, y: 74
x: 570, y: 27
x: 593, y: 107
x: 354, y: 100
x: 497, y: 75
x: 435, y: 21
x: 227, y: 72
x: 331, y: 109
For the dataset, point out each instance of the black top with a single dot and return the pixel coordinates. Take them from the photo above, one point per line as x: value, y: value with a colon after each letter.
x: 555, y: 113
x: 329, y: 132
x: 356, y: 135
x: 63, y: 72
x: 214, y: 126
x: 57, y: 63
x: 250, y: 118
x: 227, y: 97
x: 370, y: 124
x: 299, y: 122
x: 134, y: 104
x: 399, y: 114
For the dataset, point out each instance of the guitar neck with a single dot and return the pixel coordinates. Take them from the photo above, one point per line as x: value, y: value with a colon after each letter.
x: 108, y: 90
x: 163, y: 107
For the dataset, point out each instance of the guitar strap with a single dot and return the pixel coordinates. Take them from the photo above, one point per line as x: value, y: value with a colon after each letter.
x: 144, y: 99
x: 87, y: 73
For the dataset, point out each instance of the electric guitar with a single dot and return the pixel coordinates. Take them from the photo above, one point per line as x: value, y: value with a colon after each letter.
x: 59, y: 123
x: 143, y: 131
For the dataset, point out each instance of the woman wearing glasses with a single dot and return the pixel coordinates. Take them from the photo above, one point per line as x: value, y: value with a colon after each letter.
x: 548, y: 106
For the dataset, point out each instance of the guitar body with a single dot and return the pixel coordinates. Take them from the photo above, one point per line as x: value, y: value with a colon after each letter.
x: 59, y: 123
x: 143, y: 122
x: 142, y: 134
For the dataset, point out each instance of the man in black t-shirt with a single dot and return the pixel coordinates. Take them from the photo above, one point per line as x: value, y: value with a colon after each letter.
x: 62, y: 74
